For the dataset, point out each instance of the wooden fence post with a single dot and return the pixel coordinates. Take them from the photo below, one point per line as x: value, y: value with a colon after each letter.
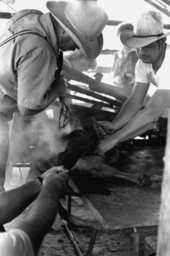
x: 163, y: 244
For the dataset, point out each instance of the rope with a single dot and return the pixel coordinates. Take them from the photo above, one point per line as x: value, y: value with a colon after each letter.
x: 65, y: 115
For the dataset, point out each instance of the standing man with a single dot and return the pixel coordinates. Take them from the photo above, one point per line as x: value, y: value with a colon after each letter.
x: 149, y: 39
x: 124, y: 62
x: 30, y: 49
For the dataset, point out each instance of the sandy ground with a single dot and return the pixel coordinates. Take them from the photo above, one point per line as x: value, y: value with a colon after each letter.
x: 57, y: 243
x: 119, y: 243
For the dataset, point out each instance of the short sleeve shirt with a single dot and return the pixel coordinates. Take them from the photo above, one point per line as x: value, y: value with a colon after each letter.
x: 15, y: 242
x: 35, y: 73
x: 28, y: 63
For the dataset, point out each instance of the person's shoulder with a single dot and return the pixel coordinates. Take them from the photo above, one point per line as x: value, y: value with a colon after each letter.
x: 34, y: 43
x: 15, y: 242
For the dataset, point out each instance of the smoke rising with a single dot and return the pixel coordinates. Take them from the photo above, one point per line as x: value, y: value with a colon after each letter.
x: 36, y: 138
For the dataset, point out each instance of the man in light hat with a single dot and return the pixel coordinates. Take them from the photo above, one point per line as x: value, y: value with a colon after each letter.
x: 31, y: 59
x: 152, y: 68
x: 124, y: 62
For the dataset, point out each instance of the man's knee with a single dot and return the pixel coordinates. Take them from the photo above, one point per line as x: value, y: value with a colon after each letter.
x: 161, y: 96
x: 158, y: 103
x: 149, y: 115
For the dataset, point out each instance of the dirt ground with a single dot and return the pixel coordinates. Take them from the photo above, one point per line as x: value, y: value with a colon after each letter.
x: 57, y: 243
x: 119, y: 243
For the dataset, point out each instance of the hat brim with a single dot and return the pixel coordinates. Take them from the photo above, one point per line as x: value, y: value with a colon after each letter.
x: 90, y: 47
x: 128, y: 39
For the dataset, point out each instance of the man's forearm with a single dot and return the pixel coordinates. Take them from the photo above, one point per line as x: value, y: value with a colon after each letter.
x: 128, y: 110
x: 13, y: 202
x: 41, y: 215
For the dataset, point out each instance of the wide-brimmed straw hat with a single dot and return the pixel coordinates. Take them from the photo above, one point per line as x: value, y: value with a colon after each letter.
x: 83, y: 21
x: 147, y: 29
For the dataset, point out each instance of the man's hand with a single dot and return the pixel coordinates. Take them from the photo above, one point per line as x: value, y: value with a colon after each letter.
x: 55, y: 170
x: 56, y: 177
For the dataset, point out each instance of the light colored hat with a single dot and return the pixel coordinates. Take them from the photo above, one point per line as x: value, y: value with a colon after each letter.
x: 147, y: 29
x: 84, y: 21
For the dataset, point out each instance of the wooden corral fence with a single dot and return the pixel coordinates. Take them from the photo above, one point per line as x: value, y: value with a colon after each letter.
x: 163, y: 247
x: 98, y: 94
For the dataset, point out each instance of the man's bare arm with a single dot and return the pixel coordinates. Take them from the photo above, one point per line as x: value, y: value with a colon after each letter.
x: 13, y: 202
x: 41, y: 215
x: 131, y: 106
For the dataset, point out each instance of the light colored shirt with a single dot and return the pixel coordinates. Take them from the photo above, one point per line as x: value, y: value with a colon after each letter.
x: 144, y: 73
x: 28, y: 62
x: 15, y: 242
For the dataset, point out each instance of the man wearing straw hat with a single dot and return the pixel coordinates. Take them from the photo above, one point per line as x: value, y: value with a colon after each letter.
x: 149, y: 39
x: 31, y: 59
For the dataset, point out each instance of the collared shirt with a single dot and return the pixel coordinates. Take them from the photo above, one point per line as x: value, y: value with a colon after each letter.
x: 28, y: 62
x: 15, y: 242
